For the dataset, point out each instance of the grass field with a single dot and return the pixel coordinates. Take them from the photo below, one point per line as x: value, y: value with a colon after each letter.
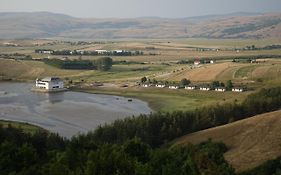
x: 161, y: 66
x: 251, y: 141
x: 28, y: 128
x: 167, y: 100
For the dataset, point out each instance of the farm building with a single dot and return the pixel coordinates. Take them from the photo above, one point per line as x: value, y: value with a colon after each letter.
x: 174, y: 87
x: 119, y: 51
x: 160, y: 85
x: 101, y: 51
x: 220, y: 89
x: 190, y: 87
x: 238, y: 89
x: 197, y: 62
x: 44, y: 51
x: 146, y: 85
x: 49, y: 83
x: 205, y: 88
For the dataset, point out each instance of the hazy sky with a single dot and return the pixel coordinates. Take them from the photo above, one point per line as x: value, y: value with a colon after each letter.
x: 140, y: 8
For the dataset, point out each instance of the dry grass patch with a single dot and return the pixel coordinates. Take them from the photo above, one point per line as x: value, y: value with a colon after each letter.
x: 203, y: 73
x: 251, y: 141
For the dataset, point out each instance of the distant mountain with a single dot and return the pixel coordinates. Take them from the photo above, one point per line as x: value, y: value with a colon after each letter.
x: 50, y: 25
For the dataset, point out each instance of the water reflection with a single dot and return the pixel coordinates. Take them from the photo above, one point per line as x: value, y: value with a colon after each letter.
x: 55, y: 97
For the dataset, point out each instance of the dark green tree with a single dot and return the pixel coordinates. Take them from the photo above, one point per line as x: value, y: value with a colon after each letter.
x: 104, y: 63
x: 143, y: 79
x: 184, y: 82
x: 229, y: 84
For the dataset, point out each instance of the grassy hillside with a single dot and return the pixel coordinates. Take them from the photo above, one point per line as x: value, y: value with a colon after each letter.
x: 251, y: 141
x: 25, y: 127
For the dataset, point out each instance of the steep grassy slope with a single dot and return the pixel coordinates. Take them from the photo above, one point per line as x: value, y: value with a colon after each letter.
x: 251, y: 141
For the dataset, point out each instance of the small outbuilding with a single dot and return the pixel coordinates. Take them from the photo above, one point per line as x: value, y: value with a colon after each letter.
x: 146, y: 85
x: 160, y: 85
x: 238, y: 89
x: 220, y: 89
x: 174, y: 87
x: 190, y: 87
x: 205, y: 88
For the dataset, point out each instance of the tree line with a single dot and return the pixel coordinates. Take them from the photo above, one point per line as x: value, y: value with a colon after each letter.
x: 48, y: 154
x: 104, y: 63
x: 94, y: 53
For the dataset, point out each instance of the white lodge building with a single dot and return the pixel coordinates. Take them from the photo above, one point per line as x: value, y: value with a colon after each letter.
x: 49, y: 83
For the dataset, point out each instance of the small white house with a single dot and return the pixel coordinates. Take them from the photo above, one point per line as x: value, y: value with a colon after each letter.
x: 197, y: 62
x: 44, y: 51
x: 160, y: 85
x: 101, y: 51
x: 205, y: 88
x: 174, y: 87
x: 190, y: 87
x: 146, y: 85
x: 237, y: 89
x: 49, y: 83
x: 220, y: 89
x: 119, y: 51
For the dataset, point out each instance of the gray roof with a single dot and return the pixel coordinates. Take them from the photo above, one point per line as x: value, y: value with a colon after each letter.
x: 51, y: 79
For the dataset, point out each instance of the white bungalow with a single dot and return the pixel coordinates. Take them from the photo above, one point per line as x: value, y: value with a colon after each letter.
x: 119, y: 51
x: 174, y: 87
x: 49, y: 83
x: 237, y: 89
x: 205, y: 88
x: 44, y: 51
x: 197, y: 62
x: 190, y: 87
x: 160, y: 85
x: 220, y: 89
x: 146, y: 85
x: 101, y: 51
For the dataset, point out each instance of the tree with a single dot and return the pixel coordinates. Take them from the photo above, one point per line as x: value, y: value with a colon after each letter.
x: 229, y: 84
x: 184, y: 82
x: 143, y: 79
x: 104, y: 63
x: 215, y: 84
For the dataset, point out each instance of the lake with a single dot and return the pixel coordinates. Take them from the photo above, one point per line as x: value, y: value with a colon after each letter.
x: 67, y: 113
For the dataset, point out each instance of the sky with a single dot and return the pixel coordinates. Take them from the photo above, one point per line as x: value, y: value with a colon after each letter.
x: 140, y: 8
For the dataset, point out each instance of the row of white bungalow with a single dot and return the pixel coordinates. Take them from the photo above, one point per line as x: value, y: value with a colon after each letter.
x: 193, y: 87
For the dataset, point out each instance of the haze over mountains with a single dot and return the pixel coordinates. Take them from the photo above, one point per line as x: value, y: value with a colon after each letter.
x: 50, y: 25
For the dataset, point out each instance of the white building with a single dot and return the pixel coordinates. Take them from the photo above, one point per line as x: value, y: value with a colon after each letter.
x: 190, y: 87
x: 174, y: 87
x: 197, y: 62
x: 101, y: 51
x: 220, y: 89
x: 160, y: 85
x: 49, y: 83
x: 237, y: 89
x: 43, y: 51
x: 119, y: 51
x: 205, y: 88
x: 146, y: 85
